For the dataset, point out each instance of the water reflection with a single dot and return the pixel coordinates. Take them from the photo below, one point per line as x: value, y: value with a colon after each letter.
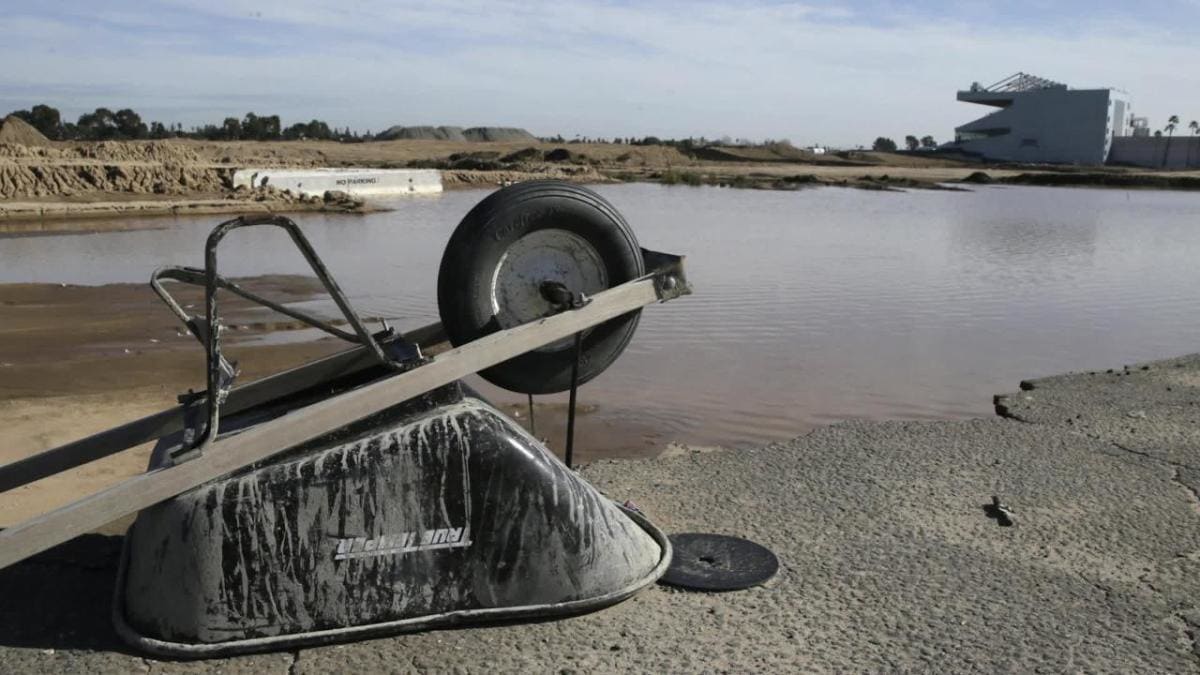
x: 811, y: 306
x: 1034, y: 234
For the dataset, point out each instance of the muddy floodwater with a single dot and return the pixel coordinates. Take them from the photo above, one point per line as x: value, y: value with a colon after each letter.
x: 810, y: 306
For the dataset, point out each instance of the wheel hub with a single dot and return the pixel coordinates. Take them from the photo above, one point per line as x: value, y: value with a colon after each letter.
x: 550, y: 255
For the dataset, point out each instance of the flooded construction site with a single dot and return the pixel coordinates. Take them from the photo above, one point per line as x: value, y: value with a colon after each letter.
x: 767, y: 340
x: 812, y: 306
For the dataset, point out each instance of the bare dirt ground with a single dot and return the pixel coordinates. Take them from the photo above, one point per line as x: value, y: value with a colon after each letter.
x: 56, y: 181
x: 79, y: 180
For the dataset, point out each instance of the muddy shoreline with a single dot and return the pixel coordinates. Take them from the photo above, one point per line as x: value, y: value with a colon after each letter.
x: 57, y: 183
x: 66, y: 216
x: 76, y: 360
x: 50, y: 215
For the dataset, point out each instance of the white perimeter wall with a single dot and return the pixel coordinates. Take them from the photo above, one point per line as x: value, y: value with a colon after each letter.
x: 1147, y: 151
x: 359, y: 182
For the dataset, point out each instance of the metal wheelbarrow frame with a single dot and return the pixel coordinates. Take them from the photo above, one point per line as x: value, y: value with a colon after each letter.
x: 205, y: 456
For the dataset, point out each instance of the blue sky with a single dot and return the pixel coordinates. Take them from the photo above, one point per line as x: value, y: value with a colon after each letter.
x: 835, y: 73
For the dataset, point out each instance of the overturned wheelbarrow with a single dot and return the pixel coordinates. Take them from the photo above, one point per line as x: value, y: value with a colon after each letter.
x: 372, y: 492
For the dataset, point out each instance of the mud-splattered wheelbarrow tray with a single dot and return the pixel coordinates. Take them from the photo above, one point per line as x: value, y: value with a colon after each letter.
x: 371, y: 491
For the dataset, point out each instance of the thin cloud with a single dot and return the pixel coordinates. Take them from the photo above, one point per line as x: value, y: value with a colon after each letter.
x: 808, y: 72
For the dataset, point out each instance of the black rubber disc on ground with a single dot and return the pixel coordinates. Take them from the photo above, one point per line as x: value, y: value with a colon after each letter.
x: 507, y: 246
x: 716, y: 562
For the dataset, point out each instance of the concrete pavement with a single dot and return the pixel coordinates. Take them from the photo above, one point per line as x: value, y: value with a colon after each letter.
x: 889, y: 560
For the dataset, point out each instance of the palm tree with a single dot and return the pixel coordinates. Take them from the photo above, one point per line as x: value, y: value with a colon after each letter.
x: 1172, y: 121
x: 1195, y: 127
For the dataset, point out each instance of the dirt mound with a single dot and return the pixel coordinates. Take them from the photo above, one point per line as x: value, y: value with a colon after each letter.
x: 1122, y: 180
x: 498, y: 134
x: 453, y: 134
x: 456, y: 134
x: 773, y: 152
x: 18, y: 180
x: 398, y: 132
x: 139, y: 151
x: 17, y: 131
x: 422, y: 133
x: 525, y: 155
x: 573, y: 173
x: 162, y: 152
x: 475, y: 161
x: 979, y: 178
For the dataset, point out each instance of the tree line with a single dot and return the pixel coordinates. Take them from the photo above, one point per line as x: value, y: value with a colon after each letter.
x: 104, y: 124
x: 884, y: 144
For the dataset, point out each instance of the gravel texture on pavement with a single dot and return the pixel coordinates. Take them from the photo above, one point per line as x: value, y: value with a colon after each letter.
x: 891, y: 556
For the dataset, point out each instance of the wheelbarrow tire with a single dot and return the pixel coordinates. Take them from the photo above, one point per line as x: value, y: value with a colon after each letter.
x: 482, y: 287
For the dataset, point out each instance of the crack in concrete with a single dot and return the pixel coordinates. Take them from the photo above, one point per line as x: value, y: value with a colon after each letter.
x: 1190, y: 630
x: 1193, y: 496
x: 1133, y: 451
x: 295, y: 660
x: 1005, y: 413
x: 1122, y: 455
x: 1143, y: 453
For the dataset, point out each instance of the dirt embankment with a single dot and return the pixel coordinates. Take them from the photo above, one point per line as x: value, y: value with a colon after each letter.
x: 44, y: 181
x: 1108, y: 180
x: 41, y: 179
x: 60, y: 181
x: 157, y: 168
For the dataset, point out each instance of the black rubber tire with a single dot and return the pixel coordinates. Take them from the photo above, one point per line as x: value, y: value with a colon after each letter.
x: 476, y: 247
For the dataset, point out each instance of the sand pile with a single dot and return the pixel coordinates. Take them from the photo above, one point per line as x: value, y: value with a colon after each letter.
x: 453, y: 134
x: 457, y: 134
x: 498, y: 134
x: 422, y: 133
x: 17, y: 131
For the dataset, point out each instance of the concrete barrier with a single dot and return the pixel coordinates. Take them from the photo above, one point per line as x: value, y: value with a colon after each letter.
x: 1179, y: 152
x: 359, y: 182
